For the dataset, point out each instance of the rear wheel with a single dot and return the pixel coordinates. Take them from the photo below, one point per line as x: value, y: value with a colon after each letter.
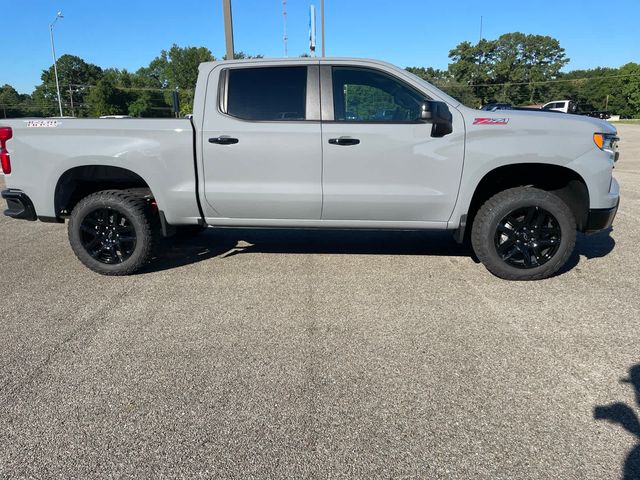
x: 524, y: 233
x: 111, y: 232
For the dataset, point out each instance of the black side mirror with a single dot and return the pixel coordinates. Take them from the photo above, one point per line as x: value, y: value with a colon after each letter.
x: 438, y: 114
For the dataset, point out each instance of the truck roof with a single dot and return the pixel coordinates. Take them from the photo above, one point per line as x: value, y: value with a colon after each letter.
x: 328, y: 60
x: 299, y: 60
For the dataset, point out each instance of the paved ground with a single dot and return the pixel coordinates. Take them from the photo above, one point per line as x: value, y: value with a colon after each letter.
x: 277, y: 354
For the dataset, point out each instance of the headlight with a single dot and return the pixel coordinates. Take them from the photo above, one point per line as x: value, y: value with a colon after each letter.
x: 607, y: 142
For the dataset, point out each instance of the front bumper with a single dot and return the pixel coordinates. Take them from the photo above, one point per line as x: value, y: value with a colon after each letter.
x: 19, y: 205
x: 600, y: 218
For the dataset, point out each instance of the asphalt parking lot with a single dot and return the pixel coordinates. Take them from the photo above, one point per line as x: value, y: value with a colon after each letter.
x: 285, y: 354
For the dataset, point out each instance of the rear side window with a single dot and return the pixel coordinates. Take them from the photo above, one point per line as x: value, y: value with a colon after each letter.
x: 267, y: 94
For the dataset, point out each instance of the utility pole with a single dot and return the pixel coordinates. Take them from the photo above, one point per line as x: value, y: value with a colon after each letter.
x: 322, y: 24
x: 73, y: 112
x: 228, y: 28
x: 312, y: 30
x: 480, y: 29
x: 285, y: 38
x: 53, y: 53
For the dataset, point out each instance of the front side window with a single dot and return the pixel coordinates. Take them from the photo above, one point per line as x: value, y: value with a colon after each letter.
x: 267, y: 94
x: 365, y: 95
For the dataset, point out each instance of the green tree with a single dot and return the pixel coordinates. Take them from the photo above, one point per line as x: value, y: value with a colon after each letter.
x: 243, y: 56
x: 105, y: 99
x: 15, y: 105
x: 444, y: 80
x: 142, y: 106
x: 630, y: 90
x: 9, y: 102
x: 177, y: 67
x: 75, y: 77
x: 509, y: 68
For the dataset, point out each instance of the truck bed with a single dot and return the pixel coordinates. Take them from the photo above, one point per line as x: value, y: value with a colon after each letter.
x: 161, y: 151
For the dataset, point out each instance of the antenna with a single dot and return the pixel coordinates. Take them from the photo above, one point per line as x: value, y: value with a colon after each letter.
x: 480, y: 29
x: 285, y: 38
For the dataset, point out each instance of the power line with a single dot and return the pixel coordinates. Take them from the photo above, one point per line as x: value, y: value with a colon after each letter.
x: 142, y: 89
x: 557, y: 80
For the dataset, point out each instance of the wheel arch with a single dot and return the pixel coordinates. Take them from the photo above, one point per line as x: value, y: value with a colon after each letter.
x: 83, y: 180
x: 562, y: 181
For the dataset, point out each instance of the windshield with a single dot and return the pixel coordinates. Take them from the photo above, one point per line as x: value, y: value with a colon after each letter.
x: 444, y: 96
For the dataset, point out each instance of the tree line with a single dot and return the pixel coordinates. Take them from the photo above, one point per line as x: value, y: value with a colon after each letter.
x: 87, y: 90
x: 515, y: 68
x: 525, y: 70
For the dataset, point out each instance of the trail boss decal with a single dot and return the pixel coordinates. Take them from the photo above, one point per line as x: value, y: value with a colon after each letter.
x: 490, y: 121
x: 42, y: 123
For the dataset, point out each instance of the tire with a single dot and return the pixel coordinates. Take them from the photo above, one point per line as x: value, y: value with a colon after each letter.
x: 111, y: 232
x: 524, y: 233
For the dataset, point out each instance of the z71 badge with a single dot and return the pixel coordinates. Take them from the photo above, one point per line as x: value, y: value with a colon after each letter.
x: 491, y: 121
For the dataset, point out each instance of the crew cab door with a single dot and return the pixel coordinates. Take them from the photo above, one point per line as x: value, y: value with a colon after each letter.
x: 380, y: 161
x: 261, y: 150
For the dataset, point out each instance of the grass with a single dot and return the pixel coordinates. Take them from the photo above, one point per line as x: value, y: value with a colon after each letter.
x: 635, y: 121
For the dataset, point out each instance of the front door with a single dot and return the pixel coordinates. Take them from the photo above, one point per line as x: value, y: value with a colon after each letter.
x: 380, y: 161
x: 262, y: 156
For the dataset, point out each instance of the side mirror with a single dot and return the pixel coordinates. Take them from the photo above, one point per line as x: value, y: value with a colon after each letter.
x: 438, y: 114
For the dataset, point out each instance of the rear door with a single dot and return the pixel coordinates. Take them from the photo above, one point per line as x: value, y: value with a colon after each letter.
x: 262, y: 156
x: 380, y: 162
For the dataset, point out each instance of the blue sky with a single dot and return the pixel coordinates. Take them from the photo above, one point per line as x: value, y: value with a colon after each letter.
x: 128, y: 34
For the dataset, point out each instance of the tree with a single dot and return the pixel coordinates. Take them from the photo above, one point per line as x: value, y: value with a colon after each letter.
x: 9, y: 102
x: 105, y: 99
x: 15, y: 105
x: 509, y: 68
x: 177, y: 67
x: 543, y: 58
x: 75, y: 76
x: 630, y: 89
x: 142, y: 106
x: 472, y: 67
x: 444, y: 80
x: 243, y: 56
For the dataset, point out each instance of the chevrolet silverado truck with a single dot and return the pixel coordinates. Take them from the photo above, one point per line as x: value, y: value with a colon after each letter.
x: 317, y: 143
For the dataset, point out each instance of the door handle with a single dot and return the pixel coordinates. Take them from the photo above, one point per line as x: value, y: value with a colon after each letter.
x: 344, y: 141
x: 223, y: 140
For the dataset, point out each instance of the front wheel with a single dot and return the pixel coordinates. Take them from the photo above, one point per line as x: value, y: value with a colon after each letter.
x: 111, y: 232
x: 524, y: 233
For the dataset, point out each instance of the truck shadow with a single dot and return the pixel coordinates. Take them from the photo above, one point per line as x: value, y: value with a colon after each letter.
x: 628, y: 418
x: 176, y: 252
x: 596, y: 245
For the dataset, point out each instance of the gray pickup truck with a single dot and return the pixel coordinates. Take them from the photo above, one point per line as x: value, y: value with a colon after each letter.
x: 318, y: 143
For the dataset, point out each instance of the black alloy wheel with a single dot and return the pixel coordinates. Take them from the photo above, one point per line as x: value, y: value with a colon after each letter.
x: 113, y: 232
x: 108, y: 235
x: 528, y: 237
x: 524, y: 233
